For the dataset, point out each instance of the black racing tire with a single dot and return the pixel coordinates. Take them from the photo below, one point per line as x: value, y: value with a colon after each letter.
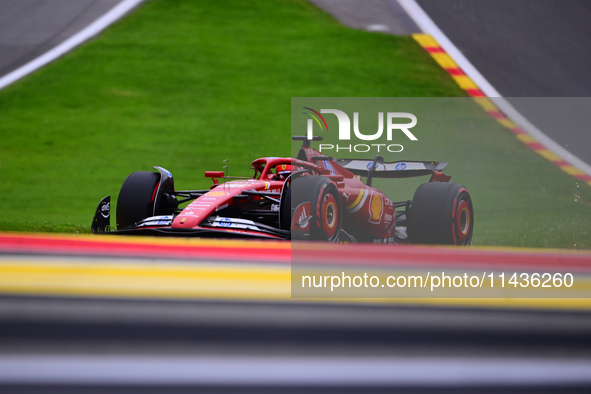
x: 136, y: 198
x: 325, y: 206
x: 441, y: 213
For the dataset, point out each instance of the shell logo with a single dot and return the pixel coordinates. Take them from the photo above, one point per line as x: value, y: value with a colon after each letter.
x: 376, y: 208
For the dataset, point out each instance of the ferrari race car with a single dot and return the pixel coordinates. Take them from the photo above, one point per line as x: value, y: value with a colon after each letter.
x: 311, y: 197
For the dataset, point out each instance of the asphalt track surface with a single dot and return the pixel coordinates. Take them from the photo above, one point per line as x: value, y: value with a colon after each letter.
x: 29, y: 28
x: 534, y: 52
x: 386, y: 16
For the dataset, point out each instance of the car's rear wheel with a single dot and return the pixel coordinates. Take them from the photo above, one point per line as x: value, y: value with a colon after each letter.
x: 137, y: 198
x: 441, y: 213
x: 316, y: 209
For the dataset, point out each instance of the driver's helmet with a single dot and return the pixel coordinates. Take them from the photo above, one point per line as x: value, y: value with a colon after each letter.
x: 284, y: 170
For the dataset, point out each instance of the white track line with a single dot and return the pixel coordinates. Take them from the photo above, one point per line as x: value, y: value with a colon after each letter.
x: 428, y: 26
x: 91, y: 30
x: 295, y: 371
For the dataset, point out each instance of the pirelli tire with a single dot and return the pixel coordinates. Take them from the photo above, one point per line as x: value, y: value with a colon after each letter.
x: 325, y: 216
x: 441, y: 213
x: 137, y: 198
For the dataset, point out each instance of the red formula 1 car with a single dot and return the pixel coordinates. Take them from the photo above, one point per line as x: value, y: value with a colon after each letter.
x: 312, y: 197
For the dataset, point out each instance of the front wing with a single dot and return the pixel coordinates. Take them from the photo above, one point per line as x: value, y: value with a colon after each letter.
x: 162, y: 225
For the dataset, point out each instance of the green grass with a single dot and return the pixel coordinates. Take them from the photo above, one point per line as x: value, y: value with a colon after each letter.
x: 186, y: 84
x: 44, y: 227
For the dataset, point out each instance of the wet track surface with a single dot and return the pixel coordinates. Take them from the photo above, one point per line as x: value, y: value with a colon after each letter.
x: 50, y: 325
x: 526, y: 48
x: 170, y: 345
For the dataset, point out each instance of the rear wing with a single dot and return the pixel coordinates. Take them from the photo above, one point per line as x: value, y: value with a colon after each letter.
x: 396, y: 169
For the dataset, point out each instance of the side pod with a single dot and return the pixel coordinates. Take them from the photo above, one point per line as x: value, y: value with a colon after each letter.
x: 102, y: 217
